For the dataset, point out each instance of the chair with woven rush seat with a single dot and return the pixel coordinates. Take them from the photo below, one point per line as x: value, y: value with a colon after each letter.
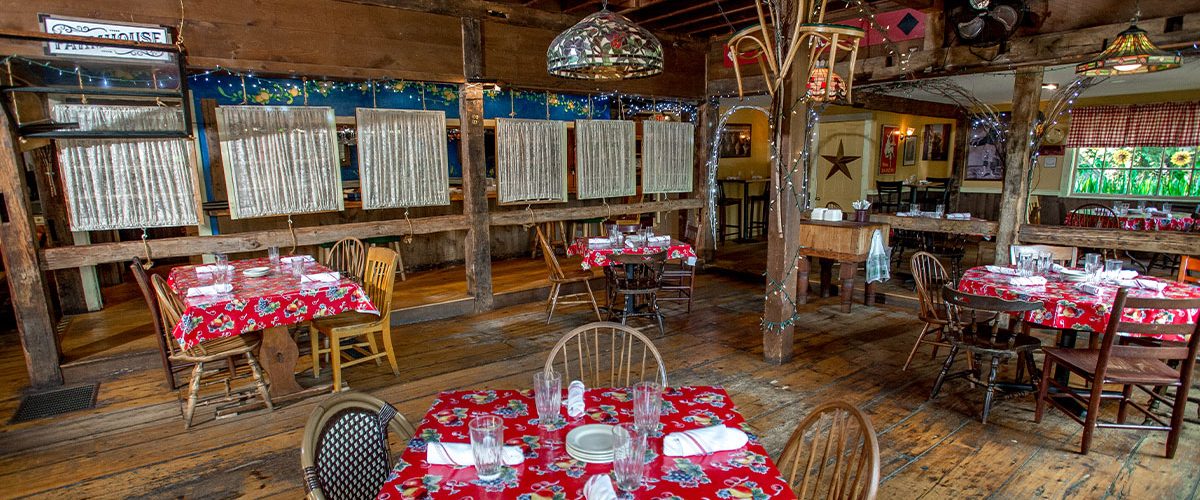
x: 986, y: 339
x: 606, y: 354
x: 1063, y: 256
x: 345, y: 452
x: 679, y: 277
x: 379, y: 279
x: 558, y: 278
x: 832, y: 454
x: 212, y: 352
x: 626, y: 287
x: 1146, y: 366
x: 165, y: 349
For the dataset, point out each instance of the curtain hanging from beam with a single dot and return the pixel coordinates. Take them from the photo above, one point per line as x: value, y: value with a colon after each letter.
x: 531, y: 160
x: 605, y: 158
x: 126, y: 183
x: 280, y: 160
x: 1167, y: 124
x: 667, y: 156
x: 402, y: 158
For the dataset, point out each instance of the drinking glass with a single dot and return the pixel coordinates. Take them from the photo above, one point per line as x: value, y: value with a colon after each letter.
x: 1091, y: 265
x: 487, y: 441
x: 273, y: 254
x: 547, y: 394
x: 1025, y: 264
x: 222, y: 273
x: 629, y: 455
x: 1167, y: 208
x: 1045, y: 262
x: 297, y: 267
x: 1112, y: 268
x: 647, y: 403
x: 939, y: 211
x: 1141, y: 205
x: 914, y: 208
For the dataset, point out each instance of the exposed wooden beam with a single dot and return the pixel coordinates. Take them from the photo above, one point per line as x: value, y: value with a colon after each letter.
x: 1014, y: 197
x: 677, y: 12
x: 694, y: 20
x: 636, y: 5
x: 575, y: 5
x: 538, y: 215
x: 929, y: 225
x: 477, y: 248
x: 906, y: 105
x: 1172, y: 242
x: 733, y: 24
x: 26, y: 284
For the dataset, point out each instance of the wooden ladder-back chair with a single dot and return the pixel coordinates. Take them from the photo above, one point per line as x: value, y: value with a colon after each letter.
x: 165, y: 341
x: 558, y: 278
x: 1146, y: 366
x: 832, y: 454
x: 986, y: 340
x: 348, y: 257
x: 606, y: 354
x: 215, y: 352
x: 679, y: 277
x: 379, y: 280
x: 1063, y: 256
x: 345, y: 452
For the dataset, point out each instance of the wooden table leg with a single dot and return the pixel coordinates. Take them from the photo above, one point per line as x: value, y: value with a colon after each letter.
x: 826, y: 276
x: 278, y: 355
x: 848, y: 269
x: 870, y: 292
x: 802, y: 280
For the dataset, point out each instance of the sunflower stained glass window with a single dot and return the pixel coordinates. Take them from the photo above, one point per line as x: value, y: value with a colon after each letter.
x: 1137, y: 171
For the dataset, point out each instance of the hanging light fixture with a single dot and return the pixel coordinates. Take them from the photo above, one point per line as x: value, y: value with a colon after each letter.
x: 605, y: 46
x: 1131, y: 53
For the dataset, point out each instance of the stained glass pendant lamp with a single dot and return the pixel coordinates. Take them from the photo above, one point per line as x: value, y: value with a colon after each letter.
x: 1131, y: 53
x: 605, y: 46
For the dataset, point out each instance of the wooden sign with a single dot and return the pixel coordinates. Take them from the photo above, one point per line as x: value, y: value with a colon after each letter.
x: 104, y: 29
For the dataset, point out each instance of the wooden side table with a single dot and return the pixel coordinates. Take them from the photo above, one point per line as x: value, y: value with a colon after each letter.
x: 845, y: 242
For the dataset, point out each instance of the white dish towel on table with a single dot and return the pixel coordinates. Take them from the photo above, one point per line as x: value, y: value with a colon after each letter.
x: 209, y: 290
x: 460, y: 454
x: 575, y: 404
x: 599, y: 487
x: 878, y: 260
x: 703, y: 441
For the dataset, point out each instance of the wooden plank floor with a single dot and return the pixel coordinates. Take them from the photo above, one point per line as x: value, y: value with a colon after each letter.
x: 134, y: 445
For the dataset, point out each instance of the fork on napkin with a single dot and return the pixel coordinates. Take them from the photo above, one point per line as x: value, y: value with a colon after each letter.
x: 1002, y: 270
x: 1027, y: 281
x: 301, y: 258
x: 703, y: 441
x: 460, y: 454
x: 209, y: 290
x: 1147, y: 284
x: 330, y: 277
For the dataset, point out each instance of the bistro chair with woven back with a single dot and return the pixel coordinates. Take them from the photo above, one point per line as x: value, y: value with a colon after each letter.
x: 634, y: 281
x: 679, y: 277
x: 210, y: 359
x: 345, y: 453
x: 560, y: 278
x: 606, y: 354
x: 379, y: 280
x: 988, y: 341
x: 1125, y: 359
x: 832, y: 454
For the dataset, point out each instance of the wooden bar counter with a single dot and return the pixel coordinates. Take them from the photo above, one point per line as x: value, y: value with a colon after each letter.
x: 846, y: 242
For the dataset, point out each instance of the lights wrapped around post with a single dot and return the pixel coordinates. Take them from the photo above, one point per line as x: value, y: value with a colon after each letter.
x: 605, y: 46
x: 1131, y: 53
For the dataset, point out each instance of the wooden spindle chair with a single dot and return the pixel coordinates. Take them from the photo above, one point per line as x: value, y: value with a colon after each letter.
x: 379, y: 280
x: 348, y: 257
x: 832, y: 454
x: 930, y: 277
x: 165, y: 340
x: 345, y: 451
x: 606, y: 354
x: 560, y: 277
x: 1146, y: 366
x: 1189, y: 272
x: 214, y: 352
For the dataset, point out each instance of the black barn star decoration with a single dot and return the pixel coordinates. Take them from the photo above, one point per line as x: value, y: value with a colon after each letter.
x: 840, y: 162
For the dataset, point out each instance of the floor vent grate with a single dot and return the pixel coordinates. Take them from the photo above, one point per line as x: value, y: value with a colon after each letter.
x: 56, y: 402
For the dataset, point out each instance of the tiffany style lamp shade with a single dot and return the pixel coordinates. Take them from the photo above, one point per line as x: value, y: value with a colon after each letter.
x: 605, y: 46
x: 1131, y: 53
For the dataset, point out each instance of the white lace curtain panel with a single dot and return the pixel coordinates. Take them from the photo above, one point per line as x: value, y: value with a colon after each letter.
x: 605, y: 158
x: 126, y: 183
x: 531, y: 160
x: 280, y: 160
x: 667, y: 156
x: 402, y: 158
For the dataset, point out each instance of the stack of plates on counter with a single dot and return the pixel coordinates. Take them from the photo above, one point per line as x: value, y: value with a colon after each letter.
x: 1073, y: 275
x: 591, y: 443
x: 257, y: 272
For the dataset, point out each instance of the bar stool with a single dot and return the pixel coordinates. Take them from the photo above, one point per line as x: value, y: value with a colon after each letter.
x: 723, y: 204
x: 757, y: 206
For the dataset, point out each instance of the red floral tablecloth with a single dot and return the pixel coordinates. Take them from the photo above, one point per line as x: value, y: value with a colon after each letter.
x: 552, y: 474
x: 598, y: 257
x: 1068, y: 308
x: 1135, y: 222
x: 258, y: 303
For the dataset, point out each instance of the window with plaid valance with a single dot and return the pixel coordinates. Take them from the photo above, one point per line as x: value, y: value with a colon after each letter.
x: 1166, y: 124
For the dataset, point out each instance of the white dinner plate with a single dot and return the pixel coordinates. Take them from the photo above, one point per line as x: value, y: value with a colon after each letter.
x: 587, y: 459
x: 591, y: 440
x: 256, y: 272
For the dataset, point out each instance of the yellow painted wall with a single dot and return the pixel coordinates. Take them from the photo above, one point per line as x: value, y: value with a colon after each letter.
x: 854, y: 142
x: 923, y: 168
x: 760, y: 155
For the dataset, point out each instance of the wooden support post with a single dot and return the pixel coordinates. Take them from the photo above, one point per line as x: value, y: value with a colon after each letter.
x: 1015, y: 194
x: 67, y: 282
x: 478, y: 249
x: 958, y: 168
x: 18, y: 246
x: 706, y: 123
x: 783, y: 229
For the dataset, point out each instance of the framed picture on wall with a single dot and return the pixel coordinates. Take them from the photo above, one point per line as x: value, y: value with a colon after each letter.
x: 937, y: 142
x: 735, y: 140
x: 889, y: 149
x: 985, y: 161
x: 910, y: 151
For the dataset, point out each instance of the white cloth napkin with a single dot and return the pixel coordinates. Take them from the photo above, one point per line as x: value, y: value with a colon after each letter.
x: 209, y: 290
x: 1058, y: 268
x: 331, y: 277
x: 212, y: 268
x: 659, y: 241
x: 959, y: 216
x: 1002, y: 270
x: 1126, y: 274
x: 575, y: 405
x: 460, y: 454
x: 301, y: 258
x: 1148, y: 284
x: 1089, y: 288
x: 598, y: 241
x: 599, y: 487
x: 703, y: 441
x: 1027, y: 281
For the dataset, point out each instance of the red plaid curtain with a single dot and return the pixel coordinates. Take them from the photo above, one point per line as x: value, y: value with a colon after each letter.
x: 1137, y: 125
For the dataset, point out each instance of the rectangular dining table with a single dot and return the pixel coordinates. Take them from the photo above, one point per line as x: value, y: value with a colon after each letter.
x: 269, y: 303
x: 551, y: 474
